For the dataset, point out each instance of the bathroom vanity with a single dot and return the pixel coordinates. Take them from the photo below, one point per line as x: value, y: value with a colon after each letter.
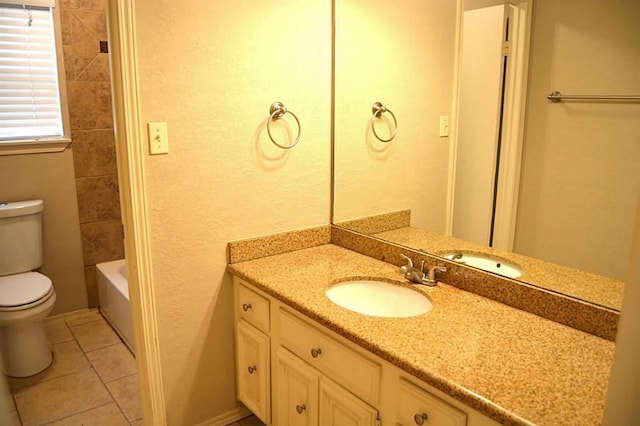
x: 303, y: 360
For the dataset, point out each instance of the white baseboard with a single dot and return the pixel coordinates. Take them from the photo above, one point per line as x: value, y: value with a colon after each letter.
x: 227, y: 418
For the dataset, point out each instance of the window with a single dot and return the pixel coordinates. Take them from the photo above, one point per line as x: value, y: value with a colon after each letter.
x: 30, y: 102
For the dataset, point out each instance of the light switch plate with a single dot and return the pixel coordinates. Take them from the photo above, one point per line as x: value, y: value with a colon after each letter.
x: 444, y: 126
x: 158, y: 138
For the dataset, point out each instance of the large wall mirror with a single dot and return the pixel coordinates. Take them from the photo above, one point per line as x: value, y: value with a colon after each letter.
x: 483, y: 164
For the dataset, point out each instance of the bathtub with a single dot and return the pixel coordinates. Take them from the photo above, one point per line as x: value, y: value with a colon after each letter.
x: 113, y: 295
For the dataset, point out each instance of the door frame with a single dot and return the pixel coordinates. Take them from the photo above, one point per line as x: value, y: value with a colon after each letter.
x: 130, y: 154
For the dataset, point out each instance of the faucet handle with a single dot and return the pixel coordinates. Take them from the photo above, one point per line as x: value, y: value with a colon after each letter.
x: 431, y: 274
x: 404, y: 269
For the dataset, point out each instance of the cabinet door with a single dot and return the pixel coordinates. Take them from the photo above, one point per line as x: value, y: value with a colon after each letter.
x: 419, y: 407
x: 253, y: 370
x: 339, y: 407
x: 296, y: 391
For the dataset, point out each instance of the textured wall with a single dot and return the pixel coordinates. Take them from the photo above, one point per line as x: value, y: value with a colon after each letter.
x: 581, y: 168
x: 402, y: 57
x: 89, y: 97
x: 211, y: 70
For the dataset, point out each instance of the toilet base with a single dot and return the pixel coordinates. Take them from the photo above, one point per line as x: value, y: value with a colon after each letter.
x: 23, y: 340
x: 25, y: 350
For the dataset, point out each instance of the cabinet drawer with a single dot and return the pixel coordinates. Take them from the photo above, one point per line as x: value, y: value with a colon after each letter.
x: 252, y: 307
x: 358, y: 374
x: 416, y: 406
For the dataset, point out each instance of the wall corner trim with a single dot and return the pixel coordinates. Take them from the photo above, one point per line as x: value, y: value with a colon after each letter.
x: 131, y: 175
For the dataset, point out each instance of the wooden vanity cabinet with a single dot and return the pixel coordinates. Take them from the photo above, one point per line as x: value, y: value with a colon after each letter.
x: 253, y: 350
x: 293, y: 371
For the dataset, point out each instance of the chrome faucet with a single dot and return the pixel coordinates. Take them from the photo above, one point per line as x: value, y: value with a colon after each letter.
x: 418, y: 276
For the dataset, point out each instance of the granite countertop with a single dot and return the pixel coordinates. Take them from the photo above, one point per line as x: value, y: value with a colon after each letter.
x: 510, y: 365
x: 604, y: 291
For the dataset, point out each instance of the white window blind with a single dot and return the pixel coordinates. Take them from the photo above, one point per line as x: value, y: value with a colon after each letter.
x: 29, y: 91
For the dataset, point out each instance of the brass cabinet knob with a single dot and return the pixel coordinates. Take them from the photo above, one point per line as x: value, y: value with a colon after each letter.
x: 315, y: 352
x: 252, y: 369
x: 246, y: 307
x: 420, y: 418
x: 300, y: 408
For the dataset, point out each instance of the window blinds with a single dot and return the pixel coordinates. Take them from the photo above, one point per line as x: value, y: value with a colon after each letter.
x: 29, y: 92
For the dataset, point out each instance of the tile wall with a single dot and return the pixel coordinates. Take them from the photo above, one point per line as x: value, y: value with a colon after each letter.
x: 84, y: 27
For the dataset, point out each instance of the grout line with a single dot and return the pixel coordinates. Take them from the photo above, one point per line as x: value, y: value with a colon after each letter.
x: 78, y: 413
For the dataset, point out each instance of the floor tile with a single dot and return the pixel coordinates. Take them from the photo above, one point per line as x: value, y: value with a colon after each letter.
x: 57, y: 332
x: 137, y: 423
x: 127, y: 395
x: 84, y: 317
x: 61, y: 397
x: 106, y: 415
x: 112, y: 362
x: 67, y: 358
x: 94, y: 335
x: 251, y: 421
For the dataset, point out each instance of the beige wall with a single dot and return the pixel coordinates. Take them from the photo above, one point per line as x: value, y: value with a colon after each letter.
x: 50, y: 177
x: 623, y: 398
x: 211, y: 70
x: 402, y: 57
x: 581, y: 173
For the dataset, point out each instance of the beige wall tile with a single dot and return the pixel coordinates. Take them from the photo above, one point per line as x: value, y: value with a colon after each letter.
x: 94, y: 152
x: 97, y: 70
x: 94, y: 21
x: 86, y: 46
x: 87, y: 4
x: 94, y: 335
x: 61, y: 397
x: 102, y: 241
x: 89, y: 105
x: 68, y: 62
x: 107, y: 415
x: 113, y: 362
x: 98, y: 198
x: 92, y: 286
x: 127, y: 395
x: 67, y: 358
x: 65, y: 24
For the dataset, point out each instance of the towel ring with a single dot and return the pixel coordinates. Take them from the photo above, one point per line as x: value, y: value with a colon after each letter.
x: 378, y: 109
x: 276, y: 111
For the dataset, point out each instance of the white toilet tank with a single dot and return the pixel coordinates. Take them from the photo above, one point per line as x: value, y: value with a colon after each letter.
x: 20, y: 236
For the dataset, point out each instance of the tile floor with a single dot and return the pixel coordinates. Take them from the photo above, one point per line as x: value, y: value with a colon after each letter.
x: 249, y: 421
x: 92, y: 380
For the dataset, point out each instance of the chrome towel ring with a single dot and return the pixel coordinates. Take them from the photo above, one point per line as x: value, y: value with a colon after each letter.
x: 378, y: 109
x: 276, y: 111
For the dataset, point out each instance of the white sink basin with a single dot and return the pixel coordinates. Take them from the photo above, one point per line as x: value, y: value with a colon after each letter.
x: 486, y: 263
x: 379, y: 299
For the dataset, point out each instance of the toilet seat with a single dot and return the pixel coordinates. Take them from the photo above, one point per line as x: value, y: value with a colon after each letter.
x: 24, y: 291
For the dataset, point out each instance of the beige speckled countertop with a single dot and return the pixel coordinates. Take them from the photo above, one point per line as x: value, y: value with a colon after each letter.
x: 594, y: 288
x: 510, y: 365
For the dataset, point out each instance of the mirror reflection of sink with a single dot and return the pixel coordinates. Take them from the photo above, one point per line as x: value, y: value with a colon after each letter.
x: 379, y: 298
x: 485, y: 262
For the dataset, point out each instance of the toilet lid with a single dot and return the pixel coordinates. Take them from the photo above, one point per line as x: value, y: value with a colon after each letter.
x: 21, y: 289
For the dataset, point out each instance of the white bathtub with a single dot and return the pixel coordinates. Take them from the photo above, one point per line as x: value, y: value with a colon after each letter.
x: 113, y: 294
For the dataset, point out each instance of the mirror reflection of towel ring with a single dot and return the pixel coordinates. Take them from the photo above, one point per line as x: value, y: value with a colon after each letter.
x: 276, y: 111
x: 378, y: 109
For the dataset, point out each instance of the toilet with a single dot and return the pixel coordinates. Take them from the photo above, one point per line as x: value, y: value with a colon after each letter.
x: 26, y: 297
